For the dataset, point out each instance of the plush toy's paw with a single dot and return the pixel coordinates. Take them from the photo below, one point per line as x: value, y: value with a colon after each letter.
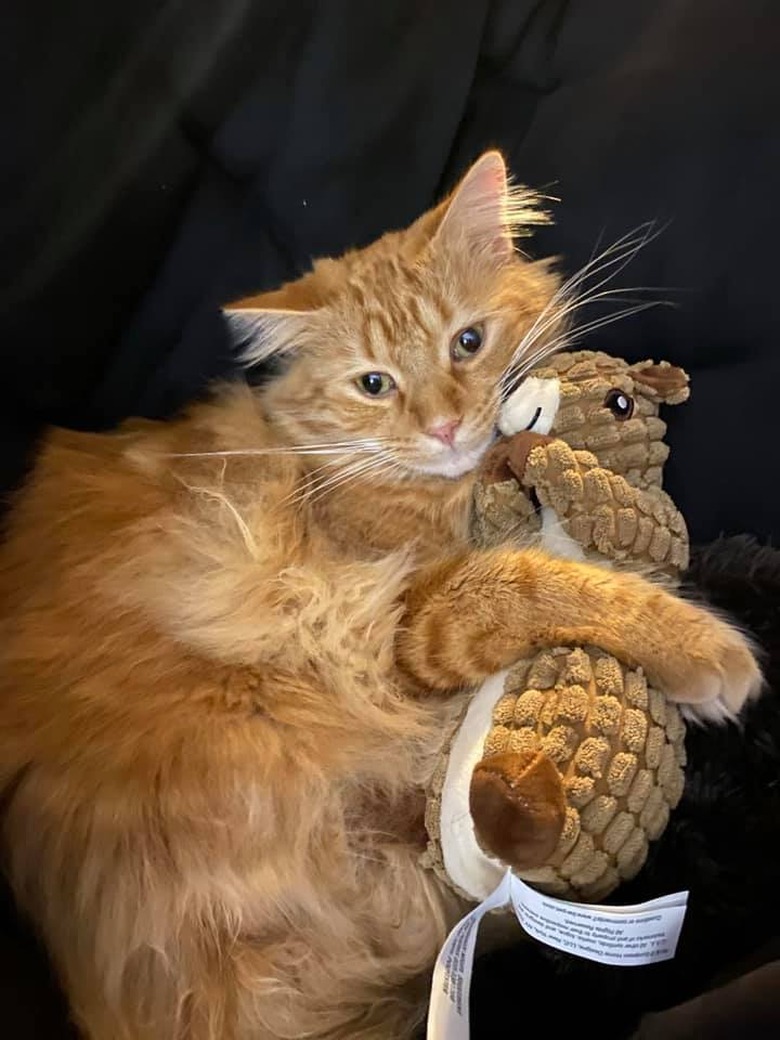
x: 561, y: 476
x: 520, y: 447
x: 494, y: 468
x: 518, y: 807
x: 508, y: 458
x: 722, y: 674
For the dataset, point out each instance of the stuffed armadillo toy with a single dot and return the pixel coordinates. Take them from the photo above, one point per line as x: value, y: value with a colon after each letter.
x: 567, y: 765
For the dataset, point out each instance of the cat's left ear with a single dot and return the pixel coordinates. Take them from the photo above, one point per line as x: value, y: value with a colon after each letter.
x: 260, y: 333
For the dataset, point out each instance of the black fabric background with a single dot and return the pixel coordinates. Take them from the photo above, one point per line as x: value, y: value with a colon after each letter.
x: 160, y: 156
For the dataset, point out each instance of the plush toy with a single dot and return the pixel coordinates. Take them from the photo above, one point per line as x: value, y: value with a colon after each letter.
x: 565, y: 767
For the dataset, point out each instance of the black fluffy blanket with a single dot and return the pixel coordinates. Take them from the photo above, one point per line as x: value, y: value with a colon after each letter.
x: 722, y: 844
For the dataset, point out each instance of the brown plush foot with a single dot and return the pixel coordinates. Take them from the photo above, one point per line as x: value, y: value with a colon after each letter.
x: 518, y: 807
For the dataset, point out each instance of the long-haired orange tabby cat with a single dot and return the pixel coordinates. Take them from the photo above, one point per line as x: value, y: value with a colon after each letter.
x: 230, y: 642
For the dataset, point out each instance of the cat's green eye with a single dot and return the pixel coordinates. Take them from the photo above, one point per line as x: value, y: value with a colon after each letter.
x: 376, y: 384
x: 467, y: 343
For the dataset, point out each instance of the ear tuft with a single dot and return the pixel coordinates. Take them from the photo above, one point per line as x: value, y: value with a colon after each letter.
x: 259, y: 333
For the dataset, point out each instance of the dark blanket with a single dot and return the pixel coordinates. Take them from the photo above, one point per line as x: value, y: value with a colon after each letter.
x: 720, y: 845
x: 160, y: 156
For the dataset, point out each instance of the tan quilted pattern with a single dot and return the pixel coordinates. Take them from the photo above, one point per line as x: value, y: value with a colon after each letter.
x: 602, y: 511
x: 501, y: 515
x: 619, y: 747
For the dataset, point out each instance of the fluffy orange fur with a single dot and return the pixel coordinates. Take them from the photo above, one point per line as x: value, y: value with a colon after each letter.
x: 230, y: 644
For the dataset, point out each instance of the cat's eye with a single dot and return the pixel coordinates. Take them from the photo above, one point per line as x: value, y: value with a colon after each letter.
x: 620, y: 404
x: 375, y: 384
x: 467, y: 343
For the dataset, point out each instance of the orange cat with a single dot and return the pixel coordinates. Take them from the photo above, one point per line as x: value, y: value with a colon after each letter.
x: 229, y: 644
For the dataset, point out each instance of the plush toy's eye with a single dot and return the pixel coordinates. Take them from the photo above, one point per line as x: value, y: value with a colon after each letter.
x: 466, y: 343
x: 620, y: 404
x: 376, y: 384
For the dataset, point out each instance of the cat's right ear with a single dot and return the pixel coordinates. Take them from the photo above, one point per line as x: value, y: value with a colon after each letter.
x: 475, y: 215
x: 486, y: 211
x: 260, y: 333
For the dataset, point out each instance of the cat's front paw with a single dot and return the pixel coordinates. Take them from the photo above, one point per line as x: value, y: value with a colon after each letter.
x: 723, y: 673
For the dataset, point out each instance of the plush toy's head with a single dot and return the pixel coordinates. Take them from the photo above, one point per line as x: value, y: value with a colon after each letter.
x: 606, y: 411
x: 565, y: 767
x: 603, y: 405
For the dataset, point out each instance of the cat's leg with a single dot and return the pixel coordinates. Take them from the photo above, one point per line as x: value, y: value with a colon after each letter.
x: 470, y: 616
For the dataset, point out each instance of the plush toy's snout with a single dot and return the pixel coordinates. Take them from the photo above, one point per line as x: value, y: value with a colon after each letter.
x: 508, y: 458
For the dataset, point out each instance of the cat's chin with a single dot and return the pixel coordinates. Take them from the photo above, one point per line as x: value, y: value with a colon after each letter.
x: 455, y: 463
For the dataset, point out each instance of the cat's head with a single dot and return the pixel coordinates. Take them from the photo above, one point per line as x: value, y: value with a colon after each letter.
x: 403, y: 348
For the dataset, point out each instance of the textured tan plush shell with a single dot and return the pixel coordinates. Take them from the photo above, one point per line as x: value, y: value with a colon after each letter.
x: 619, y: 747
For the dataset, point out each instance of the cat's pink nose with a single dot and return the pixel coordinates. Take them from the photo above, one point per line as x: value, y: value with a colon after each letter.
x: 445, y: 432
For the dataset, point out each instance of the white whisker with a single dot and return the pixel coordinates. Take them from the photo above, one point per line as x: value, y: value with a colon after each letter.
x: 317, y: 477
x: 568, y: 338
x: 366, y: 468
x: 569, y: 299
x: 598, y: 323
x: 343, y: 473
x: 367, y: 444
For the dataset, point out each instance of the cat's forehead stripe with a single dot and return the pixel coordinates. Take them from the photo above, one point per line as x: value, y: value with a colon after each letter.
x: 409, y: 314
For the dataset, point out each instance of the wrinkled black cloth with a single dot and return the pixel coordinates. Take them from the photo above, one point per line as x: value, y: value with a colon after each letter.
x: 162, y: 156
x: 718, y: 845
x: 158, y: 158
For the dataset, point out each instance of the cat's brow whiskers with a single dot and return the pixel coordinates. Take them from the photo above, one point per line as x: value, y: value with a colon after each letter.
x: 562, y: 306
x: 605, y: 296
x: 570, y: 336
x: 567, y: 339
x: 616, y: 256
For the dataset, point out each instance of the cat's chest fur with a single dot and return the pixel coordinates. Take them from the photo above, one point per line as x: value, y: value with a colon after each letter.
x: 429, y: 517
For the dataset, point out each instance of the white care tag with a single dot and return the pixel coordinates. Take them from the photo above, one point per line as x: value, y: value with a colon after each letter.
x: 620, y: 935
x: 448, y: 1012
x: 644, y: 933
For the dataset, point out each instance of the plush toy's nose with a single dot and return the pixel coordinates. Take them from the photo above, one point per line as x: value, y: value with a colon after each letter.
x: 518, y: 807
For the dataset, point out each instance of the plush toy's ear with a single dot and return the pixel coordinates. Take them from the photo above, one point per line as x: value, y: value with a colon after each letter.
x: 668, y: 382
x: 484, y: 212
x: 518, y: 807
x: 259, y: 333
